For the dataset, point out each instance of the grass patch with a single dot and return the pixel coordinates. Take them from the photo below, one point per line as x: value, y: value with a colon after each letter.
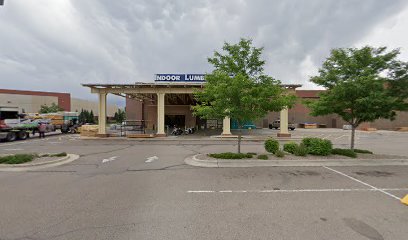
x: 263, y: 157
x: 230, y: 155
x: 280, y: 153
x: 301, y: 150
x: 18, y: 158
x: 344, y: 152
x: 61, y: 154
x: 362, y: 151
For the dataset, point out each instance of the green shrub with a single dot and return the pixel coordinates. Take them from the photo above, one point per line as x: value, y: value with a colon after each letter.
x: 307, y: 141
x: 263, y: 157
x: 252, y: 153
x: 290, y: 147
x: 318, y: 146
x: 280, y: 153
x: 230, y: 155
x: 362, y: 151
x: 271, y: 145
x: 344, y: 152
x: 18, y: 158
x: 300, y: 150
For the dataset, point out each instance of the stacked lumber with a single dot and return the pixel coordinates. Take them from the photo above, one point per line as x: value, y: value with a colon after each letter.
x: 88, y: 130
x: 310, y: 125
x: 402, y: 129
x: 370, y: 129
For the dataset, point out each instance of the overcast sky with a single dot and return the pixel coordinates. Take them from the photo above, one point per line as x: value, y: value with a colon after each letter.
x: 55, y: 45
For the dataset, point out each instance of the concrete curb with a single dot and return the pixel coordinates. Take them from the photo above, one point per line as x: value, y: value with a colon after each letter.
x: 194, y: 161
x: 29, y: 167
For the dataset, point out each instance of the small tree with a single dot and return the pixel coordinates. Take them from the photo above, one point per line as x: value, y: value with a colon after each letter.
x: 238, y: 89
x: 120, y: 116
x: 50, y: 109
x: 362, y: 85
x: 91, y: 117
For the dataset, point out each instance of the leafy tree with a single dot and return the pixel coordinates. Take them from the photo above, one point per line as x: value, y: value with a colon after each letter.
x: 50, y: 109
x: 120, y: 116
x: 238, y: 88
x: 362, y: 85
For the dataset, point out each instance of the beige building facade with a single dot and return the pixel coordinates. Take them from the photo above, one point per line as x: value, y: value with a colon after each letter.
x: 31, y: 101
x: 26, y: 103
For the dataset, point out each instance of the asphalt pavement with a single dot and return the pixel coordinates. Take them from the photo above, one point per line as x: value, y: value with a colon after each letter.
x: 131, y: 189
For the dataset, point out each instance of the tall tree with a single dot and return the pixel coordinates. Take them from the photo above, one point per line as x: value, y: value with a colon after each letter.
x: 91, y: 117
x: 363, y: 85
x: 237, y: 87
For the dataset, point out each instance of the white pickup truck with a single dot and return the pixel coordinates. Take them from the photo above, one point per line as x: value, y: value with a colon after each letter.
x: 276, y: 125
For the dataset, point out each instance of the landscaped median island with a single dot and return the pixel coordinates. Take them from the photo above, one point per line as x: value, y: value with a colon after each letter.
x: 309, y: 152
x: 34, y: 161
x: 309, y: 148
x: 30, y: 157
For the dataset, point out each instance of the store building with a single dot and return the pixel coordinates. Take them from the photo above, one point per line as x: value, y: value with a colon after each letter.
x: 167, y: 102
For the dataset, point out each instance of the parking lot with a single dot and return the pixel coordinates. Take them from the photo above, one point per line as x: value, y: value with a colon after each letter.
x: 133, y: 189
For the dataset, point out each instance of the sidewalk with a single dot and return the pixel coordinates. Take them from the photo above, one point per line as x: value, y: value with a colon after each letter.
x: 193, y: 137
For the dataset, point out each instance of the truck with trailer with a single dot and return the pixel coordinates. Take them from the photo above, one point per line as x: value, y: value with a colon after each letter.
x: 20, y: 126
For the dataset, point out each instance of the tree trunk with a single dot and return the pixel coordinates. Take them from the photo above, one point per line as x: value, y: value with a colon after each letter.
x: 239, y: 140
x: 353, y: 133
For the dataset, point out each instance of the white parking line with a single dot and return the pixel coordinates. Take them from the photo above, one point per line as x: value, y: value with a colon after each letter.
x: 109, y: 159
x: 151, y: 159
x: 327, y: 136
x: 13, y: 149
x: 366, y: 184
x: 342, y: 136
x: 301, y: 190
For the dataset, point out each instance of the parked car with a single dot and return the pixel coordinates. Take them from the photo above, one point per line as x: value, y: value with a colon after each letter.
x: 276, y: 125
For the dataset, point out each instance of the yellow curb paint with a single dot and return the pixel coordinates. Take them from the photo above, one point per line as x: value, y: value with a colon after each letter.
x: 405, y: 200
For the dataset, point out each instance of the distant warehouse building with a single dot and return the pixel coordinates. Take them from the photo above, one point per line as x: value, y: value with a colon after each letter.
x: 31, y: 101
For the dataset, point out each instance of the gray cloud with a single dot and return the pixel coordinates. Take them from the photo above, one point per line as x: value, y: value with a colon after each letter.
x: 57, y: 44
